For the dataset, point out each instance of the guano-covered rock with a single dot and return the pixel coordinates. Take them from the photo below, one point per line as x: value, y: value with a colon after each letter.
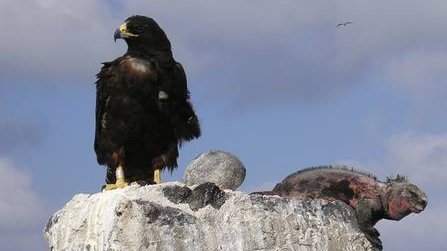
x: 160, y: 217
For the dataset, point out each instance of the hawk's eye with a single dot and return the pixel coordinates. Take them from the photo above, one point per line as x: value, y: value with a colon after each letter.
x: 139, y: 29
x: 136, y: 28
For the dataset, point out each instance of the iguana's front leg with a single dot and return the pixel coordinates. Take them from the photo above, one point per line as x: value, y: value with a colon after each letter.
x: 368, y: 213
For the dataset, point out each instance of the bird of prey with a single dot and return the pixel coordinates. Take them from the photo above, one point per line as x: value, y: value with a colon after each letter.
x: 143, y: 112
x: 343, y: 24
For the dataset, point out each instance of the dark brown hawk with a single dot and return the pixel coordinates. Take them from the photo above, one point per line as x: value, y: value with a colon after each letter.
x: 143, y: 112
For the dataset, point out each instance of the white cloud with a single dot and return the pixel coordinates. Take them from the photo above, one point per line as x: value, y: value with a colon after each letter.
x: 20, y: 206
x: 276, y: 51
x: 53, y: 38
x: 22, y: 210
x: 422, y: 157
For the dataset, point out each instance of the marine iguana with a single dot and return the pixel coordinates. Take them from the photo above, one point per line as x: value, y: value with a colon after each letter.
x: 371, y: 199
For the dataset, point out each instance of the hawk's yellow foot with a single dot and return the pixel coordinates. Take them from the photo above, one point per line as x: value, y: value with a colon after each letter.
x: 120, y: 183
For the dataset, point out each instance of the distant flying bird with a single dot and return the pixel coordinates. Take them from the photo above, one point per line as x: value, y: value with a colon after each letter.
x: 343, y: 24
x: 143, y: 113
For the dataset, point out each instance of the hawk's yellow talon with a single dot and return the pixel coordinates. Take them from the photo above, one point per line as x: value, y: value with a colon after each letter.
x: 120, y: 183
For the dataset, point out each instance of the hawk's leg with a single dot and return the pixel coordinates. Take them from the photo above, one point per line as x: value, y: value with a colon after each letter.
x: 158, y: 163
x: 157, y: 176
x: 119, y: 172
x: 166, y: 160
x: 120, y: 181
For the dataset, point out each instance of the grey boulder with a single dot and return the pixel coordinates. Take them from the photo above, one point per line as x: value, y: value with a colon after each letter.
x: 218, y: 167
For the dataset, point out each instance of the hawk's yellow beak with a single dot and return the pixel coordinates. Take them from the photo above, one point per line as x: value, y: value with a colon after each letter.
x: 122, y: 32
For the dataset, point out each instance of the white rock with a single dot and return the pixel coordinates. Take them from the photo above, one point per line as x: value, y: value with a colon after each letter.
x: 142, y: 218
x: 219, y: 167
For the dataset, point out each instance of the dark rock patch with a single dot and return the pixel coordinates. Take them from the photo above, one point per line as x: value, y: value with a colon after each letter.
x: 177, y: 194
x: 154, y: 212
x: 207, y: 194
x: 267, y: 204
x: 52, y: 221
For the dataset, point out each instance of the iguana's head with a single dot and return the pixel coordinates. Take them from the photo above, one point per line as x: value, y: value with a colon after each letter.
x: 403, y: 198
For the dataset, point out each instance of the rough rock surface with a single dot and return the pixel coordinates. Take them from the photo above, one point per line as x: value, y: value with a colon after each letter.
x: 202, y: 195
x: 221, y: 168
x: 157, y: 218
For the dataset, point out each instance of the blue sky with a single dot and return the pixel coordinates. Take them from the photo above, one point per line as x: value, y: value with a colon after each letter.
x: 273, y: 82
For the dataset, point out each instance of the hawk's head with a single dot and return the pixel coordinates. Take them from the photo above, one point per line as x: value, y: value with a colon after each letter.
x: 142, y: 32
